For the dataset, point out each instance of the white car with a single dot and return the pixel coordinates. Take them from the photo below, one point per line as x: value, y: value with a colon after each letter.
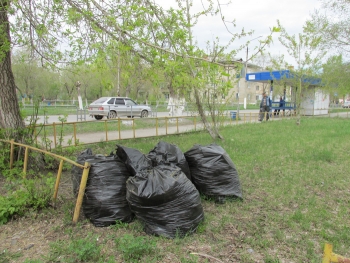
x: 346, y: 104
x: 114, y: 107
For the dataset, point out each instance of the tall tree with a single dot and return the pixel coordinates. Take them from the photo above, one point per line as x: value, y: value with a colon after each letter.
x: 10, y: 117
x: 331, y: 23
x: 71, y: 31
x: 31, y: 78
x: 336, y: 77
x: 305, y: 50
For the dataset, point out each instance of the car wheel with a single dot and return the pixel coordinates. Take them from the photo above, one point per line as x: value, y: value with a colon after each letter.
x: 144, y: 114
x: 97, y: 117
x: 112, y: 115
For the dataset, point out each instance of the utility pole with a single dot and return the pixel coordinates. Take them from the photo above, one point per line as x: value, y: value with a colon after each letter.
x: 118, y: 73
x: 299, y: 93
x: 245, y: 72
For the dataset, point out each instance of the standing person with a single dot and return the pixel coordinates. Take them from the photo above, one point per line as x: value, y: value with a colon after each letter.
x: 281, y: 106
x: 265, y: 107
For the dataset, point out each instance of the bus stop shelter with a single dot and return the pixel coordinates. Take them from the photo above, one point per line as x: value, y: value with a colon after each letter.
x: 313, y: 99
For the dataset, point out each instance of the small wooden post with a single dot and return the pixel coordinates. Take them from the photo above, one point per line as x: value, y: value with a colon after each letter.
x: 81, y: 192
x: 58, y: 179
x: 157, y: 126
x: 54, y: 134
x: 75, y: 133
x: 12, y: 153
x: 177, y: 124
x: 119, y: 128
x: 166, y: 125
x: 106, y: 130
x: 25, y: 165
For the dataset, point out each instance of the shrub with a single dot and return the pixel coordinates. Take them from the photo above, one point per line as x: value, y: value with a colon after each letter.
x: 32, y: 193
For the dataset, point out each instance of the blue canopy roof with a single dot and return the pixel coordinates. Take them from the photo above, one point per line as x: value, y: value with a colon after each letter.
x: 282, y: 76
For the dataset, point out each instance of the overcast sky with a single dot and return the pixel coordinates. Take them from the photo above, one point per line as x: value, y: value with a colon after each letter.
x: 257, y: 15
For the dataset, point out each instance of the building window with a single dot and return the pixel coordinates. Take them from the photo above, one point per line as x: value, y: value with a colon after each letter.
x: 248, y: 97
x: 237, y: 95
x: 257, y: 87
x: 257, y: 97
x: 166, y: 96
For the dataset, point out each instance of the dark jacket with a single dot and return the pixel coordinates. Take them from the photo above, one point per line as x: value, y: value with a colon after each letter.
x: 281, y: 102
x: 268, y: 101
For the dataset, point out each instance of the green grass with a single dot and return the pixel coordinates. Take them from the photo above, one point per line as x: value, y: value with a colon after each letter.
x: 6, y: 256
x: 133, y: 248
x: 50, y: 110
x: 86, y: 249
x: 295, y: 182
x: 334, y: 110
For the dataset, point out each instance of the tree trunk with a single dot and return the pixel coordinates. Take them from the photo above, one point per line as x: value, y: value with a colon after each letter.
x: 10, y: 118
x: 214, y: 133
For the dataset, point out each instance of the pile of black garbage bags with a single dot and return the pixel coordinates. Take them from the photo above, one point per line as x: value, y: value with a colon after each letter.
x: 161, y: 188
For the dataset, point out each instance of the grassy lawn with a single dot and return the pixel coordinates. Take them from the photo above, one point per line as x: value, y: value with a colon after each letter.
x: 50, y: 110
x: 295, y: 182
x: 334, y: 110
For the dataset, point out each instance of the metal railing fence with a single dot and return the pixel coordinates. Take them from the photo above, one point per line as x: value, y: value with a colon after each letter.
x: 84, y: 132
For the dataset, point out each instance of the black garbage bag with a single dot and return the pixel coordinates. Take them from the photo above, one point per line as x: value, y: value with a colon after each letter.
x: 166, y: 153
x: 213, y: 172
x: 134, y: 160
x: 165, y: 201
x: 104, y: 201
x: 77, y: 172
